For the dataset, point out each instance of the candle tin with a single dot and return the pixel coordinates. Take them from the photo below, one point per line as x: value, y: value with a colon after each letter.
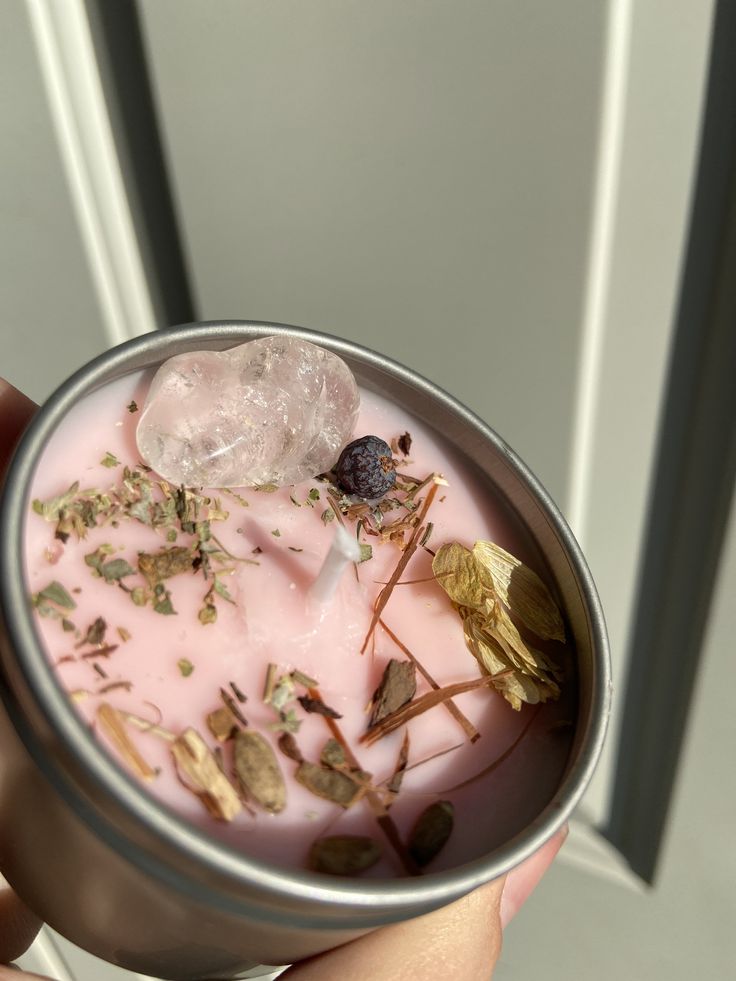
x: 114, y: 871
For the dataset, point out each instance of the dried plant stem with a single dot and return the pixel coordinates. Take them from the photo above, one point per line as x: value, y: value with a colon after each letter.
x: 467, y: 726
x: 149, y: 727
x: 385, y: 594
x: 422, y: 704
x: 499, y: 759
x: 111, y: 722
x: 383, y: 818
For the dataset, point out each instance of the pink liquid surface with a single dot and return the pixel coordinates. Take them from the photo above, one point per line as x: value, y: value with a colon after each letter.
x: 273, y: 621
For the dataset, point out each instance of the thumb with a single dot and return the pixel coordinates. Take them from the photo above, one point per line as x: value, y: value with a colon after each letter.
x: 462, y: 940
x: 18, y: 926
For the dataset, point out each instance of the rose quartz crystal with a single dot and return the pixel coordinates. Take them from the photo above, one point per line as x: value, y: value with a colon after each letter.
x: 272, y: 411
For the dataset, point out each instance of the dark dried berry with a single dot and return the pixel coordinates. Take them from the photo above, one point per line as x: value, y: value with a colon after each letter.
x: 366, y: 468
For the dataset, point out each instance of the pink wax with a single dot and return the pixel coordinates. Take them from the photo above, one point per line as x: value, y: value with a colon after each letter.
x: 272, y: 620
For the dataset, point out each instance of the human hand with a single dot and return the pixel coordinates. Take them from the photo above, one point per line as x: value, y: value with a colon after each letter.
x: 462, y: 940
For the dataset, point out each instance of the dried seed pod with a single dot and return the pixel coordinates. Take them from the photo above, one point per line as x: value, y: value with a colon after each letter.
x: 431, y: 831
x: 343, y: 854
x: 258, y: 771
x: 331, y: 784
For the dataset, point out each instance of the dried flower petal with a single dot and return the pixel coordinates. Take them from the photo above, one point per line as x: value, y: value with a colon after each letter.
x: 523, y: 592
x: 462, y: 577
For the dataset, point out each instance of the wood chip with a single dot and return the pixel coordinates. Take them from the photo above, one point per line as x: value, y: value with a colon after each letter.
x: 222, y: 724
x: 397, y: 687
x: 198, y: 771
x: 112, y: 724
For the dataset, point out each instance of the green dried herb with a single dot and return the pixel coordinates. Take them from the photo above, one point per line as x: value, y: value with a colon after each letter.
x: 333, y: 754
x: 110, y: 460
x: 185, y: 666
x: 132, y: 406
x: 115, y: 570
x: 138, y: 595
x: 221, y: 590
x: 366, y: 552
x: 55, y: 593
x: 95, y: 633
x: 162, y: 601
x: 288, y: 722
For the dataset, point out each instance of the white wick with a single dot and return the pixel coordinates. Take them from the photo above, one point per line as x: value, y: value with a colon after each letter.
x: 344, y: 550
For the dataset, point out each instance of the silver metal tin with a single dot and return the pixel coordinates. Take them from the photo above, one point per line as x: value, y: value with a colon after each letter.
x: 107, y: 866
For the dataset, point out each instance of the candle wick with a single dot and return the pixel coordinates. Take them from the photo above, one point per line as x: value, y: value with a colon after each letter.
x: 344, y: 550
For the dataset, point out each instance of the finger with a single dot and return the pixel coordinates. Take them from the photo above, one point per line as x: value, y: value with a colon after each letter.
x: 10, y: 974
x: 524, y: 879
x: 18, y: 925
x: 16, y: 412
x: 459, y: 941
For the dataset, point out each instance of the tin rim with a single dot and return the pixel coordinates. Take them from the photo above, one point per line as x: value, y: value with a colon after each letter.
x: 189, y: 851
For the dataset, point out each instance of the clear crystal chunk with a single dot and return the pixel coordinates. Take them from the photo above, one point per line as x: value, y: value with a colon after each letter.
x: 276, y: 410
